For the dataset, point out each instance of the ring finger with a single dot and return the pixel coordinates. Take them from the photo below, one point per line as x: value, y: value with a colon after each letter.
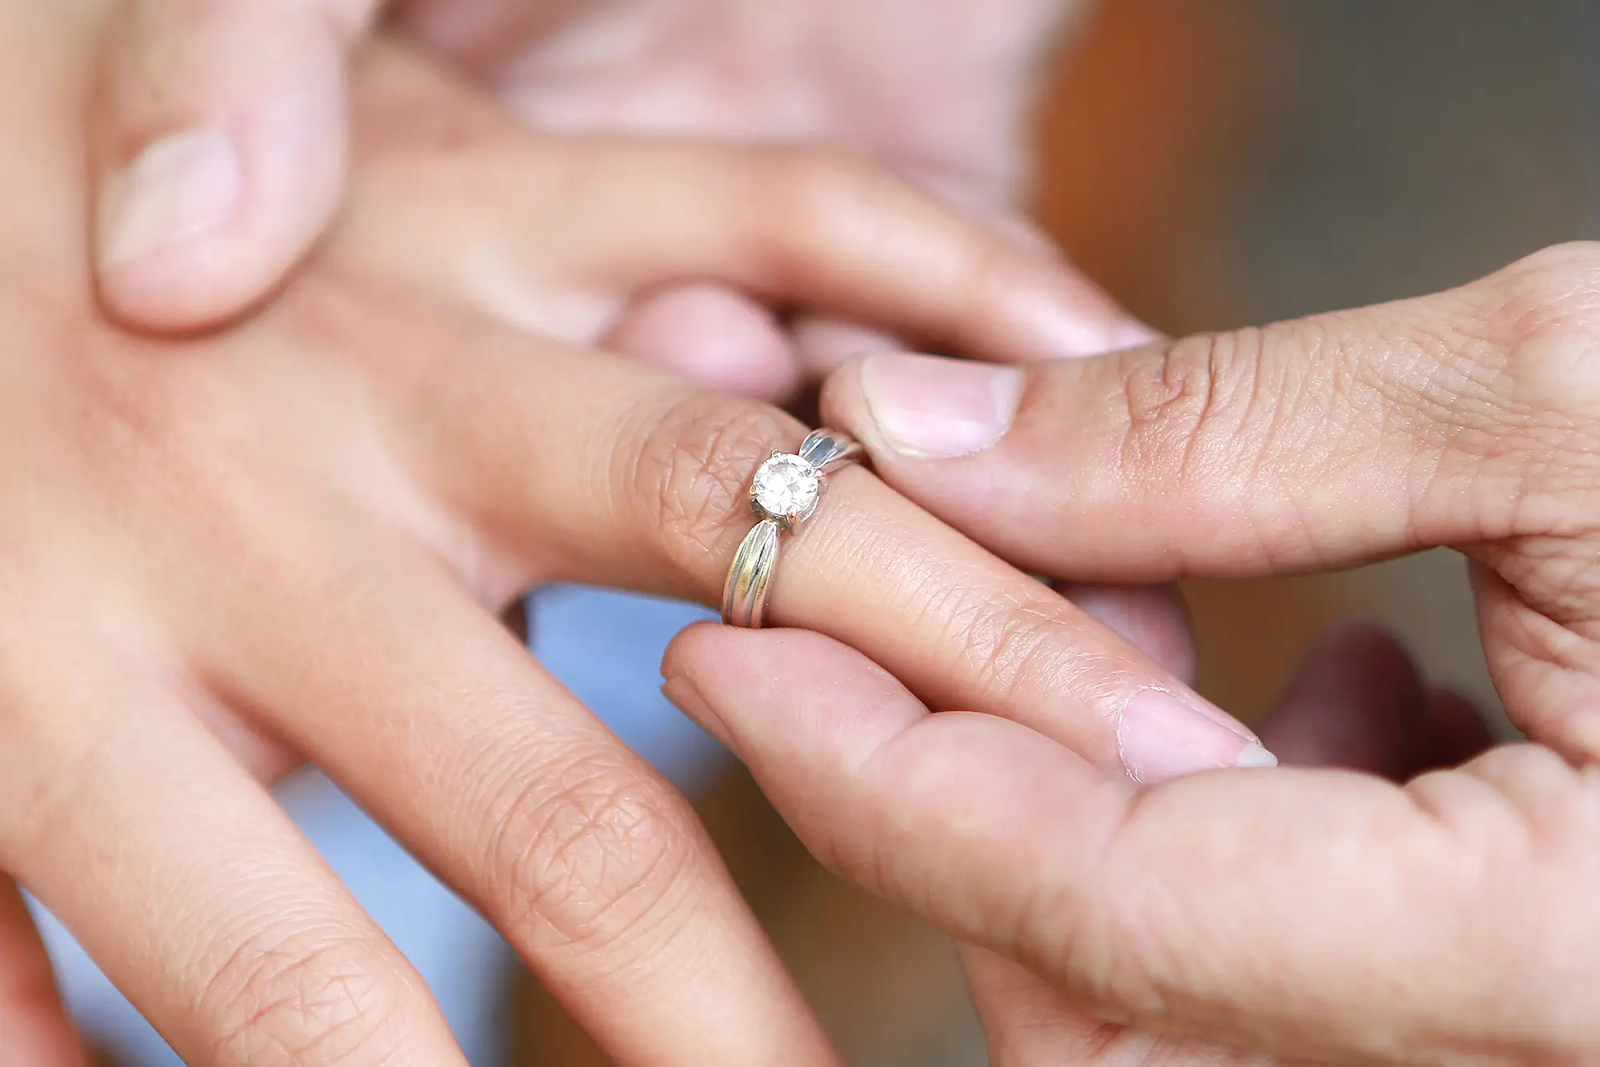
x: 592, y: 468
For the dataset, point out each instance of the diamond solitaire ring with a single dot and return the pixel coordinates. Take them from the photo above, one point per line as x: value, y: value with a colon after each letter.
x: 783, y: 493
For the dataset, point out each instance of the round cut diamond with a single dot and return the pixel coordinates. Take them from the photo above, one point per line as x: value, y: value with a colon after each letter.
x: 786, y: 485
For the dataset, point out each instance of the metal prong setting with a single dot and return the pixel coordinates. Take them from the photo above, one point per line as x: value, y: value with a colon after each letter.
x: 828, y: 450
x: 744, y: 595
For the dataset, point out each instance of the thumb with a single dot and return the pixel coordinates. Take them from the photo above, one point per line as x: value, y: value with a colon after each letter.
x: 1324, y: 442
x: 1320, y: 915
x: 219, y: 131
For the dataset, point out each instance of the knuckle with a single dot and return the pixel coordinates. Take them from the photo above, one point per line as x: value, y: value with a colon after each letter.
x: 591, y: 861
x: 315, y: 997
x: 691, y: 471
x: 1516, y: 383
x: 1185, y: 411
x: 1537, y: 327
x: 1556, y: 282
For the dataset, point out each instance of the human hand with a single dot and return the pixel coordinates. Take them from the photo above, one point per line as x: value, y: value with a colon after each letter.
x: 940, y: 95
x: 939, y: 90
x: 1322, y: 914
x: 290, y: 540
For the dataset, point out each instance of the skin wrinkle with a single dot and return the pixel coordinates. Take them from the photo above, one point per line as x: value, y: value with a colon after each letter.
x: 1283, y: 407
x: 590, y: 849
x: 1172, y: 409
x: 693, y: 466
x: 324, y: 988
x: 1010, y: 646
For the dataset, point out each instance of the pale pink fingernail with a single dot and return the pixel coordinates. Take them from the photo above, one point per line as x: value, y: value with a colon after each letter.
x: 938, y: 408
x: 1161, y: 736
x: 179, y: 189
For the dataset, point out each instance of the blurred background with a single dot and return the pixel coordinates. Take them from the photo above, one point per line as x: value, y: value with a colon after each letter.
x: 1216, y: 163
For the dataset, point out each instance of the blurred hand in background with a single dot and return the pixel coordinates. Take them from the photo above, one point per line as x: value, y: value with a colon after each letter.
x: 221, y: 137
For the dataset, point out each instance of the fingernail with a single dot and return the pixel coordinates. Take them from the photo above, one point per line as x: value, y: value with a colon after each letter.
x: 683, y: 694
x: 1162, y: 736
x: 939, y: 408
x: 179, y: 188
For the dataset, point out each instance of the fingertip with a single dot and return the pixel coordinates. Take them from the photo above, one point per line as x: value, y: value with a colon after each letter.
x: 842, y: 405
x: 687, y: 648
x: 219, y: 165
x: 839, y: 396
x: 713, y: 335
x: 825, y: 344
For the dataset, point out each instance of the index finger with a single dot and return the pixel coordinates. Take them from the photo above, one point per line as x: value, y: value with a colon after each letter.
x: 1336, y: 439
x: 1321, y: 914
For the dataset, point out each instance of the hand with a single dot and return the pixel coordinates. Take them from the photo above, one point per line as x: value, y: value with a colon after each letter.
x: 845, y: 753
x: 238, y: 124
x: 937, y: 89
x: 291, y: 540
x: 1321, y: 914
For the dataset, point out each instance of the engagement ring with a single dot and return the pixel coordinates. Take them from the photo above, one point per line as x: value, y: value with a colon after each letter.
x: 783, y: 493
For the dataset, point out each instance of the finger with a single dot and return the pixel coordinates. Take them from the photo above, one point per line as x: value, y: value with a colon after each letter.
x: 1276, y: 911
x: 825, y: 343
x: 802, y: 227
x: 219, y: 132
x: 1152, y: 618
x: 1317, y: 443
x: 712, y: 335
x: 583, y: 856
x: 34, y: 1028
x: 202, y: 902
x: 1355, y: 701
x: 599, y: 472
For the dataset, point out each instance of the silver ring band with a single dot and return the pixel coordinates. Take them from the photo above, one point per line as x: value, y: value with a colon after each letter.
x: 783, y: 493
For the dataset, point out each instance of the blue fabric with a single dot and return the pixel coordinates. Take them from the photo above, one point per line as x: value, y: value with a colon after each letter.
x: 607, y: 648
